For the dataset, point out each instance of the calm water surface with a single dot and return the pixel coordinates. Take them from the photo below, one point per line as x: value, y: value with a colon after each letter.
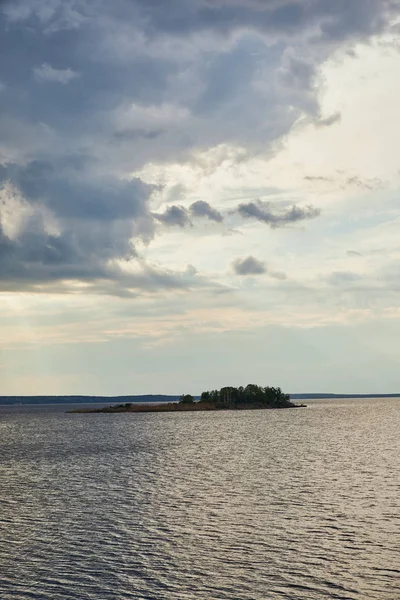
x: 291, y: 504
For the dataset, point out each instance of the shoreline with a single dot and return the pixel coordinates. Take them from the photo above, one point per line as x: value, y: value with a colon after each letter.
x: 176, y: 407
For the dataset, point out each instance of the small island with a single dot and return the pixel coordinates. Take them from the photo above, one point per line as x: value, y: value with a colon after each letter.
x: 251, y: 397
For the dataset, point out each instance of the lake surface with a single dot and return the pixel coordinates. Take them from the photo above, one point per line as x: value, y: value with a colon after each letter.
x: 292, y: 504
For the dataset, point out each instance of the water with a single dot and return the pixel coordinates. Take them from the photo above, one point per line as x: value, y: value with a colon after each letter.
x: 292, y: 504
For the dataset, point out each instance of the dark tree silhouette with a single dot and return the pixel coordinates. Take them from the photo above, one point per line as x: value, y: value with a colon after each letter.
x: 186, y: 399
x: 252, y: 395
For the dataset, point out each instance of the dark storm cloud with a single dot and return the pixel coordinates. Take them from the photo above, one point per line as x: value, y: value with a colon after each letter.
x: 36, y: 256
x: 96, y: 220
x: 37, y: 260
x: 330, y: 20
x: 203, y: 209
x: 104, y: 54
x: 92, y: 91
x: 74, y: 229
x: 263, y: 211
x: 70, y: 193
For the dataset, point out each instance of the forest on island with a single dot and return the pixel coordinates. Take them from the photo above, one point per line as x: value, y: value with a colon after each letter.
x: 254, y: 396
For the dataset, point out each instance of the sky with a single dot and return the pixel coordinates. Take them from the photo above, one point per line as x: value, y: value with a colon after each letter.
x: 199, y: 193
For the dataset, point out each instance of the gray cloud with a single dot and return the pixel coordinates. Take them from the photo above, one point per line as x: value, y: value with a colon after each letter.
x: 329, y: 21
x: 203, y: 209
x: 297, y: 82
x: 128, y: 135
x: 52, y: 15
x: 353, y: 253
x: 220, y: 83
x: 254, y: 266
x: 37, y: 257
x: 263, y: 211
x: 57, y: 223
x: 174, y: 216
x: 249, y: 266
x: 157, y: 82
x: 37, y: 260
x: 67, y: 188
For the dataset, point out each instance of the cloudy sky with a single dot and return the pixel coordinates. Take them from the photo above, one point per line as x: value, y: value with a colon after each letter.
x: 197, y: 193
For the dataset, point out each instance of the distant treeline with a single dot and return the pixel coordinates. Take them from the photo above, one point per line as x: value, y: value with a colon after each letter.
x: 11, y: 400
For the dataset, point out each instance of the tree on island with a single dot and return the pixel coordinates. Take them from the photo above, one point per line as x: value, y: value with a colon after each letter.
x: 186, y: 399
x: 251, y: 395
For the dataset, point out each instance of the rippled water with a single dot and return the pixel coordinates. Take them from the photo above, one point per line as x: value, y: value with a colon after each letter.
x: 291, y: 504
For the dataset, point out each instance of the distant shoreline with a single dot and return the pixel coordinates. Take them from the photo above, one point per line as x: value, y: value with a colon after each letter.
x: 155, y: 398
x: 34, y: 400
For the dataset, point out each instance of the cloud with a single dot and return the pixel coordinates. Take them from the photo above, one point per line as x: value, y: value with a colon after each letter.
x: 57, y: 223
x: 317, y: 178
x: 142, y: 84
x: 325, y: 21
x: 174, y: 216
x: 297, y: 82
x: 249, y: 266
x: 344, y: 181
x: 343, y: 278
x: 277, y: 275
x: 364, y: 184
x: 158, y: 80
x: 330, y: 120
x: 70, y: 192
x: 263, y: 211
x: 203, y: 209
x: 40, y: 253
x: 53, y: 15
x: 254, y: 266
x: 49, y: 74
x: 127, y: 135
x: 353, y: 253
